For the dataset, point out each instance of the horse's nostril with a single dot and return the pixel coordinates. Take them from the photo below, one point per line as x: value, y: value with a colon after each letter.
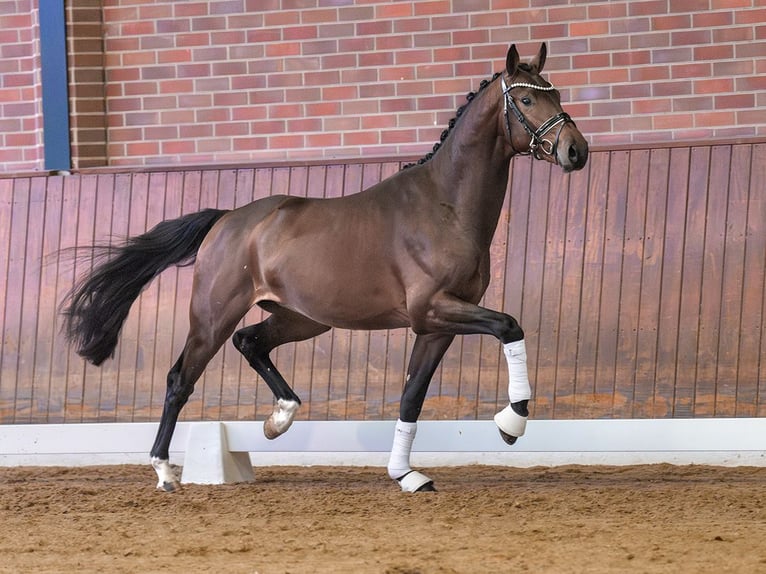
x: 573, y: 154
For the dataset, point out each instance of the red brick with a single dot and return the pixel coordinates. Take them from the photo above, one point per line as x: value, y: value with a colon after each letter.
x: 713, y: 86
x: 757, y: 16
x: 735, y: 101
x: 287, y: 141
x: 699, y: 70
x: 426, y: 7
x: 713, y: 19
x: 672, y: 88
x: 644, y: 8
x: 607, y: 10
x: 589, y: 28
x: 651, y: 106
x: 673, y: 121
x: 751, y: 50
x: 715, y: 118
x: 721, y: 52
x: 694, y: 103
x: 748, y: 83
x: 607, y: 76
x: 690, y: 37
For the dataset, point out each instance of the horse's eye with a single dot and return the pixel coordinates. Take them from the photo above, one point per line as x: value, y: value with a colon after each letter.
x: 526, y: 101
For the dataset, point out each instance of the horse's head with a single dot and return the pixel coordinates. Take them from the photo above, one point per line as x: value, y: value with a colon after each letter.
x: 534, y: 118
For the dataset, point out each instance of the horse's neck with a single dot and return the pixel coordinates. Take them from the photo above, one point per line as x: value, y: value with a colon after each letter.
x: 471, y: 168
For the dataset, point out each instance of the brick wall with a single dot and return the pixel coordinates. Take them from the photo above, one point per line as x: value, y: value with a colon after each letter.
x: 20, y: 90
x: 240, y: 80
x: 85, y: 47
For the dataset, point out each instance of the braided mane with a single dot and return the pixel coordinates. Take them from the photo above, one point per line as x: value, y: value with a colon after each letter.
x: 469, y: 97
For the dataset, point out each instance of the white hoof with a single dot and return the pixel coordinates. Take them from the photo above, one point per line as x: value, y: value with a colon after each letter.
x: 414, y: 481
x: 280, y: 419
x: 168, y: 481
x: 510, y: 422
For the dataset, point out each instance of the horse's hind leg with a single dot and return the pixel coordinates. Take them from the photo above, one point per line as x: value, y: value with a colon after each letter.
x: 210, y: 325
x: 257, y: 341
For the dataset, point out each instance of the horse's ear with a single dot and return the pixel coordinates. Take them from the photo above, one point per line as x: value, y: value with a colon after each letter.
x: 539, y: 61
x: 512, y: 60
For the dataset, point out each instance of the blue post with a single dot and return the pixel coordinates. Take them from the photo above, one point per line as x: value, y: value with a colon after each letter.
x: 54, y: 84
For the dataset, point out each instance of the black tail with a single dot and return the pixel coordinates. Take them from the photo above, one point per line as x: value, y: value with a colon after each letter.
x: 100, y: 302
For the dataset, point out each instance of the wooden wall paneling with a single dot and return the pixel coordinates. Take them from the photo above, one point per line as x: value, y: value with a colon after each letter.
x: 131, y: 355
x: 7, y: 388
x: 609, y: 312
x: 19, y: 213
x: 86, y: 230
x: 566, y: 398
x: 643, y: 274
x: 588, y: 404
x: 68, y: 367
x: 711, y: 294
x: 223, y: 370
x: 537, y: 334
x: 47, y: 312
x: 721, y: 214
x: 192, y: 202
x: 30, y: 297
x: 165, y: 354
x: 631, y: 270
x: 551, y: 287
x: 751, y: 390
x: 691, y: 287
x: 651, y: 284
x: 670, y: 293
x: 105, y: 376
x: 208, y: 388
x: 144, y: 310
x: 735, y: 305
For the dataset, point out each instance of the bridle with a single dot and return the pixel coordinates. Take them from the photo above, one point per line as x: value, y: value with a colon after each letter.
x: 537, y: 143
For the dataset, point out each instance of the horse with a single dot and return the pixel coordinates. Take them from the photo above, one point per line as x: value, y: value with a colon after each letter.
x: 411, y: 251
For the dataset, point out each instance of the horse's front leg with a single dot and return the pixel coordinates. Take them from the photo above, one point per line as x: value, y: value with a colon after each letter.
x: 426, y: 355
x: 450, y: 314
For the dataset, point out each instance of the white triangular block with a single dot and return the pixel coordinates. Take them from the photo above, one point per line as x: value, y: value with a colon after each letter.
x: 208, y: 460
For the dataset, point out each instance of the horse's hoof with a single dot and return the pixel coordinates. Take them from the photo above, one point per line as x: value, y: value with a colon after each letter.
x: 427, y: 487
x: 509, y: 439
x: 269, y: 430
x: 280, y: 419
x: 415, y: 481
x: 173, y: 486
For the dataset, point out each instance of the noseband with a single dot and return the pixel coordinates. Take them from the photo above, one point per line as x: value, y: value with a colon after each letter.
x: 537, y: 143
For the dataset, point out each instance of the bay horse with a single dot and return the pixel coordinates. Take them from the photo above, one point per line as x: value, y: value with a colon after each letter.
x: 410, y: 251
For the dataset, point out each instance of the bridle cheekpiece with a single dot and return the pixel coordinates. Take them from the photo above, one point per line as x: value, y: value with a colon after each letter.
x: 537, y: 143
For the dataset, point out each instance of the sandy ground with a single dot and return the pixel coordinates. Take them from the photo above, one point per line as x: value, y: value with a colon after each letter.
x: 656, y: 518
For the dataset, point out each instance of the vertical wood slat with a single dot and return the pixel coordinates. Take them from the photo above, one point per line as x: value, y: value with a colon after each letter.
x: 640, y: 282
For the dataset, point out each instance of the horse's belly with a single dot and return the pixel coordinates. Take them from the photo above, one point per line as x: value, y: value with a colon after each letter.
x: 363, y: 300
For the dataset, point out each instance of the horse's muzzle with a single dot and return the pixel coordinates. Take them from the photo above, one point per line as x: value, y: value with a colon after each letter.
x: 572, y: 152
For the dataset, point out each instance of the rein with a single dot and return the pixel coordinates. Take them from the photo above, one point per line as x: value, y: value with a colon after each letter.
x: 537, y: 143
